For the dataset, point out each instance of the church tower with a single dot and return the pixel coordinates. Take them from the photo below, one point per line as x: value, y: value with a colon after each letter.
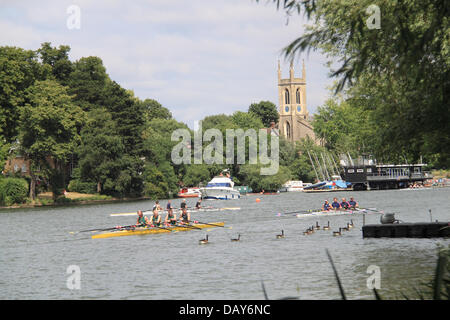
x: 294, y: 116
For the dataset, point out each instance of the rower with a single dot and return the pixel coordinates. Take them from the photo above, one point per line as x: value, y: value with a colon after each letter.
x: 169, y: 206
x: 171, y: 218
x: 326, y: 206
x: 156, y: 206
x: 142, y: 220
x: 155, y: 220
x: 185, y: 217
x: 335, y: 205
x: 345, y: 204
x: 183, y: 204
x: 353, y: 203
x: 198, y: 205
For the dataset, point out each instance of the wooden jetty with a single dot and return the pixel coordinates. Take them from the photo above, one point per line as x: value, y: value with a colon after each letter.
x: 407, y: 230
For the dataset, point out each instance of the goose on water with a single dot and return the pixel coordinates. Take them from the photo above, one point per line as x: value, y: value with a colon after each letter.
x: 204, y: 241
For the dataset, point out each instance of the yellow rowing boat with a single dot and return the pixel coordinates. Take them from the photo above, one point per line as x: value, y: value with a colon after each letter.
x: 149, y: 230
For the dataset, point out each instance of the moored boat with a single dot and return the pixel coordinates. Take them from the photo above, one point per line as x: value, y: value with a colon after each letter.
x: 152, y: 230
x: 220, y: 188
x: 189, y: 193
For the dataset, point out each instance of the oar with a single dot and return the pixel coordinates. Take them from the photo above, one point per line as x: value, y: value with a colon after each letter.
x: 163, y: 228
x: 302, y: 211
x: 188, y: 226
x: 211, y: 224
x: 104, y: 229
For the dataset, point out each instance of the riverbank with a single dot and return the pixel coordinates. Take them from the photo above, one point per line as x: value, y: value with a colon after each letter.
x: 70, y: 198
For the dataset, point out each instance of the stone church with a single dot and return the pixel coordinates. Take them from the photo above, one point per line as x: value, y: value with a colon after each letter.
x: 294, y: 123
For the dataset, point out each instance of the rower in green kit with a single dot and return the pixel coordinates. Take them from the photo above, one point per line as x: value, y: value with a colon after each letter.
x: 185, y: 217
x: 171, y: 218
x: 155, y: 219
x: 142, y: 220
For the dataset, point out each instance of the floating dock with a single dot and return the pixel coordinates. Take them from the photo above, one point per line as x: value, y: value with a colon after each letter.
x: 407, y: 230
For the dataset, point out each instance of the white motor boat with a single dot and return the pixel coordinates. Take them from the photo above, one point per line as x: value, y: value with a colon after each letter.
x: 293, y: 186
x: 220, y: 188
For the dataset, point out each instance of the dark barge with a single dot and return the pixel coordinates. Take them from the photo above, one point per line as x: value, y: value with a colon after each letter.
x: 384, y: 176
x: 407, y: 230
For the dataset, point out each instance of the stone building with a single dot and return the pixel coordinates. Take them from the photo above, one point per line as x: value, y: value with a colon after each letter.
x: 294, y: 123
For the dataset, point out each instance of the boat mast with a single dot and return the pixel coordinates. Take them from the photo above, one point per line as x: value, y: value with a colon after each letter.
x: 314, y: 167
x: 325, y: 166
x: 335, y: 165
x: 320, y: 167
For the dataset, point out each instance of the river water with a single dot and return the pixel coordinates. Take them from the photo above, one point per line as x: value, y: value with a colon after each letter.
x: 37, y: 248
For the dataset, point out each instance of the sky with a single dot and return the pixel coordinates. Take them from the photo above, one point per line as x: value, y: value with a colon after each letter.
x: 196, y: 57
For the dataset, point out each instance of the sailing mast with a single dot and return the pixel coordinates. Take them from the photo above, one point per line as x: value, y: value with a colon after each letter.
x: 314, y: 167
x: 326, y: 170
x: 321, y: 170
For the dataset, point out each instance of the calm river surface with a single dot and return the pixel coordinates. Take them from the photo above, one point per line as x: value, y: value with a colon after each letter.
x: 36, y: 250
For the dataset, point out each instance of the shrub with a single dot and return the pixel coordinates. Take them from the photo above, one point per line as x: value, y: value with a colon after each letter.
x: 13, y: 190
x: 82, y: 187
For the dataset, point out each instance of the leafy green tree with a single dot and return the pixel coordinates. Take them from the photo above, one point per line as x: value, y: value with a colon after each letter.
x: 127, y: 112
x: 250, y: 175
x: 195, y: 174
x: 19, y: 69
x: 49, y: 128
x: 57, y: 59
x: 246, y: 120
x: 154, y: 110
x: 87, y: 82
x: 100, y: 149
x: 266, y: 111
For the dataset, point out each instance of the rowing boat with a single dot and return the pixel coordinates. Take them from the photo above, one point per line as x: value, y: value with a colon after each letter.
x: 335, y: 212
x: 149, y: 230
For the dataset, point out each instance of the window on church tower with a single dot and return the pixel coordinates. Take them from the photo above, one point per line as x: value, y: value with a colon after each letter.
x: 286, y: 97
x: 288, y: 130
x: 297, y: 95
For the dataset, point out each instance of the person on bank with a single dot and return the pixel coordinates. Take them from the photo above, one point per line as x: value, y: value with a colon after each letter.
x: 185, y: 216
x: 142, y: 220
x: 335, y: 205
x: 353, y: 203
x: 326, y: 206
x: 155, y: 220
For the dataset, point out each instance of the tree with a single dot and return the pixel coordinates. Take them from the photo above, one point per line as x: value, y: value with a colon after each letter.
x: 127, y: 112
x: 100, y: 150
x: 266, y: 111
x: 154, y: 110
x: 250, y: 175
x: 87, y: 82
x: 195, y: 174
x: 19, y: 69
x: 49, y: 129
x: 58, y: 61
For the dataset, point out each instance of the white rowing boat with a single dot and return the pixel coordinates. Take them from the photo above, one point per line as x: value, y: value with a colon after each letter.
x: 337, y: 212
